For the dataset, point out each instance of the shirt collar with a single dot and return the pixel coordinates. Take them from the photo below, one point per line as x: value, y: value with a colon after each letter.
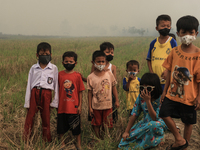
x: 49, y: 66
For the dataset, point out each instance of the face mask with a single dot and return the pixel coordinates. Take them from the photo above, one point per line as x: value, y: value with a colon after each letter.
x: 164, y: 32
x: 69, y: 67
x: 99, y: 67
x: 132, y: 73
x: 44, y: 59
x: 187, y: 39
x: 109, y: 57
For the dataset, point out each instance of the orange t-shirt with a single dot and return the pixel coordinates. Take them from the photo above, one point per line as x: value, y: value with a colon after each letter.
x: 185, y: 75
x: 70, y: 84
x: 101, y: 87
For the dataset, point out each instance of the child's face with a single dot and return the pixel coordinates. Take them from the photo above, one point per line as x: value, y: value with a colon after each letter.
x: 163, y: 24
x: 182, y: 33
x: 100, y: 60
x: 109, y: 52
x: 69, y: 60
x: 132, y: 68
x: 43, y: 52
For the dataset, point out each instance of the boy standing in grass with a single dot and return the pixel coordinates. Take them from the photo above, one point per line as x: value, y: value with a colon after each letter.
x: 70, y: 98
x: 42, y: 79
x: 131, y: 83
x: 101, y: 84
x: 108, y: 49
x: 160, y: 48
x: 181, y: 95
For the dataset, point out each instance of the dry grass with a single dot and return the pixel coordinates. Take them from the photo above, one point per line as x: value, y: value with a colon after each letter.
x: 16, y: 58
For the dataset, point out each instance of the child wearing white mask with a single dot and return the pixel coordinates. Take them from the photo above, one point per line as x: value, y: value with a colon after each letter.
x: 101, y: 84
x: 181, y: 94
x: 131, y: 83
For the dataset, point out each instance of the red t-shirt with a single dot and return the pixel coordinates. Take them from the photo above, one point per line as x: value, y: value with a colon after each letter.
x: 70, y: 84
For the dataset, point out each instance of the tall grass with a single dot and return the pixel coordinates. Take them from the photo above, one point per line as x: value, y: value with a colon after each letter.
x: 16, y: 58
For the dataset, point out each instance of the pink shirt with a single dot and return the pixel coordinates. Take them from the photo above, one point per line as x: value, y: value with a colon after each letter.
x: 101, y: 87
x: 46, y: 78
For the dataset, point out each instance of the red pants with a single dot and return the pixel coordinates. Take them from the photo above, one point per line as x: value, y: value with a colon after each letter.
x: 39, y: 101
x: 102, y: 117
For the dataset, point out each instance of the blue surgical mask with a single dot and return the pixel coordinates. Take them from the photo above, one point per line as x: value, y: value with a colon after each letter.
x: 133, y: 73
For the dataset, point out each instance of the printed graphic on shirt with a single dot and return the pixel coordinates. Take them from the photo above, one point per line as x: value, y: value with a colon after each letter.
x: 103, y: 93
x: 69, y: 88
x: 49, y: 80
x: 180, y: 77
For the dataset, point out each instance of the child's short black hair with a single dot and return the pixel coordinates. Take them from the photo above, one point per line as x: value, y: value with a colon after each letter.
x: 70, y: 54
x: 98, y: 53
x: 43, y: 46
x: 153, y: 80
x: 187, y: 23
x: 132, y: 62
x: 162, y: 17
x: 172, y: 35
x: 106, y: 45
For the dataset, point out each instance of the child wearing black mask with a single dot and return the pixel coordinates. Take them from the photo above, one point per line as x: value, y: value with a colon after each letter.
x: 160, y: 48
x: 42, y: 79
x: 70, y: 98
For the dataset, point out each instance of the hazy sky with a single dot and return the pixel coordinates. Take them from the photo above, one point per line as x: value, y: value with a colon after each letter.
x: 88, y: 17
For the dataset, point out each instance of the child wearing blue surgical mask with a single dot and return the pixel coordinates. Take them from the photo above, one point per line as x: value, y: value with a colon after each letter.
x: 130, y: 84
x: 148, y: 132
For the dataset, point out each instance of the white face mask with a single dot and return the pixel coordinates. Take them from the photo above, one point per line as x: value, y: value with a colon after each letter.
x: 99, y: 67
x: 187, y: 39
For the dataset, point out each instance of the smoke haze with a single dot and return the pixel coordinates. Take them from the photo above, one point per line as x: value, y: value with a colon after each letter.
x: 89, y: 17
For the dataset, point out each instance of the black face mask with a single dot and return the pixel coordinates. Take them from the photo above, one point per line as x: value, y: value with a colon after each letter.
x: 164, y: 32
x: 44, y: 59
x: 109, y: 57
x: 69, y: 67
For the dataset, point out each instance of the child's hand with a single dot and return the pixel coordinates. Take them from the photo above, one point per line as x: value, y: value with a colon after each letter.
x: 162, y: 97
x: 91, y: 112
x: 80, y: 74
x: 117, y: 104
x: 79, y: 110
x: 125, y: 135
x: 145, y: 95
x: 130, y: 78
x: 197, y: 103
x: 164, y: 75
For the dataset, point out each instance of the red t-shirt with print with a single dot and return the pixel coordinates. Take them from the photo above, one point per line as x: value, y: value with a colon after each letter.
x: 70, y: 84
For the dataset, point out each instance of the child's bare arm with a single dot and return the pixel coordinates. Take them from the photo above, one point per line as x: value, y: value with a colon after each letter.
x: 130, y: 78
x: 83, y: 78
x: 149, y: 66
x: 80, y: 103
x: 130, y: 124
x: 90, y: 102
x: 197, y: 103
x: 114, y: 91
x: 167, y: 83
x: 114, y: 68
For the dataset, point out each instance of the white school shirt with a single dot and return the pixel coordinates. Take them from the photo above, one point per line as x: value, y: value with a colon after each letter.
x: 45, y: 78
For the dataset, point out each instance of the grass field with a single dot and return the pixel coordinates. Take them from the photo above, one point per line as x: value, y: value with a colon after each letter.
x: 16, y: 58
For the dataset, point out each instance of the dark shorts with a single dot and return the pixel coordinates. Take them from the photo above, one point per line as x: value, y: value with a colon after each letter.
x: 178, y: 110
x: 68, y: 122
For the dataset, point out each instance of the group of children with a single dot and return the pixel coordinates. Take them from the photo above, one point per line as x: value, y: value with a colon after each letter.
x: 171, y: 89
